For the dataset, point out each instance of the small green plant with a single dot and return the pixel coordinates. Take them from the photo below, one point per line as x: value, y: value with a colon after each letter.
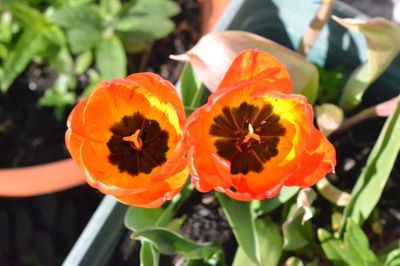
x: 78, y: 37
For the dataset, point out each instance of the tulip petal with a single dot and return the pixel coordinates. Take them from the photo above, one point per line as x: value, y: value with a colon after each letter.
x: 212, y: 56
x: 255, y: 65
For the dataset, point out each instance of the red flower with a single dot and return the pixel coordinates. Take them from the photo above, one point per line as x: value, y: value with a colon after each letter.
x: 127, y: 138
x: 253, y: 137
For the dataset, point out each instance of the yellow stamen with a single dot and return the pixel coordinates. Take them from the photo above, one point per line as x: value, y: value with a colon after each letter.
x: 251, y: 135
x: 135, y: 140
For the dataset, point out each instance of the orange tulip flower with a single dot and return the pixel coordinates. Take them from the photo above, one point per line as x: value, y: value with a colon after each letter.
x: 253, y: 137
x: 127, y: 138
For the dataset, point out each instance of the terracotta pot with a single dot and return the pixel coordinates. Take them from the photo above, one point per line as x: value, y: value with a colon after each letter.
x: 40, y: 179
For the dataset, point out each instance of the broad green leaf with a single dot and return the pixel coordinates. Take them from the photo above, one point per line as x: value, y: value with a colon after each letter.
x: 383, y: 41
x: 163, y: 8
x: 147, y: 27
x: 28, y: 45
x: 191, y: 88
x: 139, y: 218
x: 3, y: 51
x: 269, y: 241
x: 110, y: 7
x: 295, y: 234
x: 268, y: 205
x: 169, y: 243
x: 369, y: 187
x: 83, y: 38
x: 213, y: 54
x: 393, y: 258
x: 148, y: 256
x: 5, y: 26
x: 111, y: 58
x: 241, y: 258
x: 77, y: 16
x: 241, y: 219
x: 26, y: 15
x: 353, y: 250
x: 83, y: 62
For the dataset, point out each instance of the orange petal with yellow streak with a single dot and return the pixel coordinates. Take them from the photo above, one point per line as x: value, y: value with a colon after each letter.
x: 257, y: 66
x: 318, y: 159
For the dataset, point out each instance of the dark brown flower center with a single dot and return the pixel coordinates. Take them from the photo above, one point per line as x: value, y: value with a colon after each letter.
x: 247, y: 136
x: 137, y: 145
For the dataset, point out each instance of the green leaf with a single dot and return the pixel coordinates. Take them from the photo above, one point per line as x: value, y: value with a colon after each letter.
x: 111, y: 58
x: 268, y: 205
x: 77, y: 16
x: 353, y: 250
x: 212, y: 66
x: 169, y: 243
x: 191, y: 88
x: 295, y: 234
x: 369, y: 186
x: 110, y: 7
x: 242, y: 259
x: 383, y: 41
x: 269, y: 241
x: 28, y: 46
x: 59, y: 96
x: 393, y: 258
x: 146, y: 28
x: 139, y: 218
x: 148, y: 255
x: 241, y: 219
x: 164, y: 8
x: 83, y: 38
x: 83, y: 62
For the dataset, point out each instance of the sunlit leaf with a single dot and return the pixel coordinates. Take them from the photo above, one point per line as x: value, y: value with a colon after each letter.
x: 294, y: 261
x: 383, y: 41
x: 111, y: 58
x: 352, y: 250
x: 241, y: 258
x: 333, y: 194
x: 269, y: 241
x: 110, y: 7
x: 369, y: 187
x: 214, y: 53
x: 191, y: 88
x: 393, y: 258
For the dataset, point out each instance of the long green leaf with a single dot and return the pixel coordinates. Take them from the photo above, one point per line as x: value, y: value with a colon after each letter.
x: 148, y: 255
x: 169, y: 243
x: 369, y: 187
x: 191, y: 88
x: 269, y: 241
x: 242, y: 259
x: 111, y: 58
x: 241, y: 219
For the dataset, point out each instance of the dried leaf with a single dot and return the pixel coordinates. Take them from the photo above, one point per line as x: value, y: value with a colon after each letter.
x: 329, y: 117
x: 383, y: 41
x: 311, y: 34
x: 213, y: 54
